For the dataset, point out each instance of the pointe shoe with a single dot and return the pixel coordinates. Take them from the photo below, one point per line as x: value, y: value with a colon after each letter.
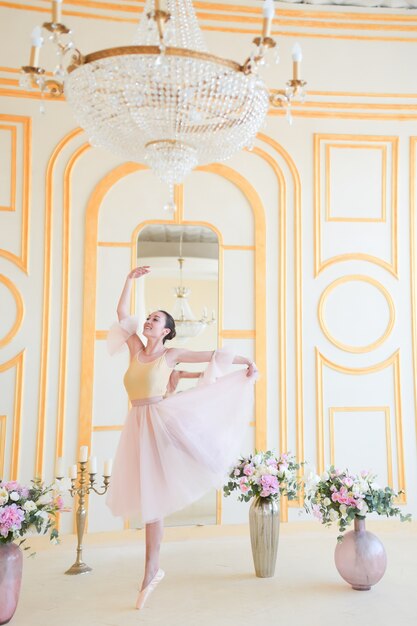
x: 145, y: 593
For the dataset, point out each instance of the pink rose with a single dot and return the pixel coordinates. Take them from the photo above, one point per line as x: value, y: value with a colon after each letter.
x: 248, y: 470
x: 243, y: 484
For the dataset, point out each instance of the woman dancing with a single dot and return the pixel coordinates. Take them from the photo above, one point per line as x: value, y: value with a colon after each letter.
x: 173, y: 447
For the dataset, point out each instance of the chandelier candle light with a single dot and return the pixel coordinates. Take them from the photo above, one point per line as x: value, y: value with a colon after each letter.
x: 84, y: 487
x: 186, y: 324
x: 165, y: 100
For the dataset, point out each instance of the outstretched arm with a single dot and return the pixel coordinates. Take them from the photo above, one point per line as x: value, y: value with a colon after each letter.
x: 134, y: 342
x: 178, y: 355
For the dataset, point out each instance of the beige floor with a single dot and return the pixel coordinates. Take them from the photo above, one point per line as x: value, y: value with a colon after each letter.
x: 210, y: 581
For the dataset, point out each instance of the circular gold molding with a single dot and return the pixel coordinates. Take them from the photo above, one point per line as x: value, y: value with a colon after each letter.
x: 356, y: 278
x: 19, y: 310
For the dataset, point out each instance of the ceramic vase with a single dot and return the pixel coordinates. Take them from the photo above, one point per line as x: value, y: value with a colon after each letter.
x: 11, y: 561
x: 360, y: 557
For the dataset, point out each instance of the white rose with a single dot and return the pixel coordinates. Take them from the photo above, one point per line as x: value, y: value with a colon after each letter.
x: 257, y: 459
x: 363, y: 507
x: 45, y: 499
x: 326, y: 501
x: 333, y: 515
x: 343, y: 509
x: 325, y: 476
x: 30, y: 506
x: 4, y: 496
x: 43, y: 515
x: 14, y: 496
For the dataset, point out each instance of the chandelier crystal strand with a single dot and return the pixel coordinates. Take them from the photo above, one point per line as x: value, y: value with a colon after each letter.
x: 165, y: 100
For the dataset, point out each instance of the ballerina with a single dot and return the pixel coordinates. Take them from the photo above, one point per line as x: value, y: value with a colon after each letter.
x: 173, y: 447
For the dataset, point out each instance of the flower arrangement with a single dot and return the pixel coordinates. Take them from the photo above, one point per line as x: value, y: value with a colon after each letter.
x: 28, y: 510
x: 340, y: 496
x: 264, y: 475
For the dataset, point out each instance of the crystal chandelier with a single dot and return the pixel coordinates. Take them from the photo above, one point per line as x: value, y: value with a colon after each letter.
x: 164, y: 100
x: 186, y: 324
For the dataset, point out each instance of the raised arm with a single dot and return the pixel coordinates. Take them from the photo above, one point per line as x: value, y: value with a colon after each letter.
x: 178, y: 355
x: 123, y: 307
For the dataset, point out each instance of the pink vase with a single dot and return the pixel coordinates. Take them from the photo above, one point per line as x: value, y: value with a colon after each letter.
x: 360, y: 557
x: 11, y: 561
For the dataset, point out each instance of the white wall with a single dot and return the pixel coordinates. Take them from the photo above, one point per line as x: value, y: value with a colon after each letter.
x: 355, y: 137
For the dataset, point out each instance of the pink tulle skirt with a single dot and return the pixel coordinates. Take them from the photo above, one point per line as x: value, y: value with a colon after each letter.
x: 174, y: 450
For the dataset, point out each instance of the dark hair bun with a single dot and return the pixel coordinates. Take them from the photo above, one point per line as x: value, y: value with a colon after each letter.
x: 169, y: 323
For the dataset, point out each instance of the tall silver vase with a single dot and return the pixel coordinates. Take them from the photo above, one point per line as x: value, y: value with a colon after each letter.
x: 264, y: 534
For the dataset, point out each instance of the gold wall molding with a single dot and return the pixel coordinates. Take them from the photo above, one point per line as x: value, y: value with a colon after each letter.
x: 298, y: 298
x: 336, y: 146
x: 18, y: 363
x: 356, y: 278
x: 237, y: 334
x: 19, y: 311
x: 21, y: 261
x: 334, y: 410
x: 392, y: 361
x: 413, y: 261
x: 13, y: 166
x: 319, y: 264
x: 44, y: 360
x: 3, y: 426
x: 63, y: 353
x: 222, y: 18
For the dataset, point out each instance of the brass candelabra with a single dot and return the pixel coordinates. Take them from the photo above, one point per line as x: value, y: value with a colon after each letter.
x: 84, y: 487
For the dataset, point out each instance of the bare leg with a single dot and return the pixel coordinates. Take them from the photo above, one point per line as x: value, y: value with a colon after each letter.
x: 154, y: 534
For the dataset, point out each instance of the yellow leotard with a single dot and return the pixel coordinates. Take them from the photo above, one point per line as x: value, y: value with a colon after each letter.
x: 147, y: 380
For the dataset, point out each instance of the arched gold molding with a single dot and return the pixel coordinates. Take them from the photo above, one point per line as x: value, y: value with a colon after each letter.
x: 356, y: 278
x: 90, y: 276
x: 282, y: 307
x: 19, y: 310
x: 66, y: 227
x: 21, y: 261
x: 18, y: 362
x: 394, y: 361
x: 320, y: 265
x: 89, y: 300
x: 298, y: 297
x: 43, y: 368
x: 260, y: 291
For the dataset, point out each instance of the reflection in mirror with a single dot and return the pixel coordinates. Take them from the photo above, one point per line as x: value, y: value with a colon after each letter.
x: 184, y: 280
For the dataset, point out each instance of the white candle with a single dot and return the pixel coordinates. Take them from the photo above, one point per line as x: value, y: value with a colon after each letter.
x: 268, y: 14
x: 205, y: 312
x: 83, y: 454
x: 92, y: 465
x: 56, y: 11
x: 269, y: 9
x: 297, y: 53
x: 36, y: 40
x: 108, y: 467
x: 59, y: 467
x: 73, y: 470
x: 297, y: 56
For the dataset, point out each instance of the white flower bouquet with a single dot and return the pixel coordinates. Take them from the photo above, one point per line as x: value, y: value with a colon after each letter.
x: 338, y: 496
x: 264, y: 475
x: 28, y: 510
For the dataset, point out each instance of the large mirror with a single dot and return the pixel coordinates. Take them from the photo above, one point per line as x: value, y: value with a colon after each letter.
x: 184, y: 281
